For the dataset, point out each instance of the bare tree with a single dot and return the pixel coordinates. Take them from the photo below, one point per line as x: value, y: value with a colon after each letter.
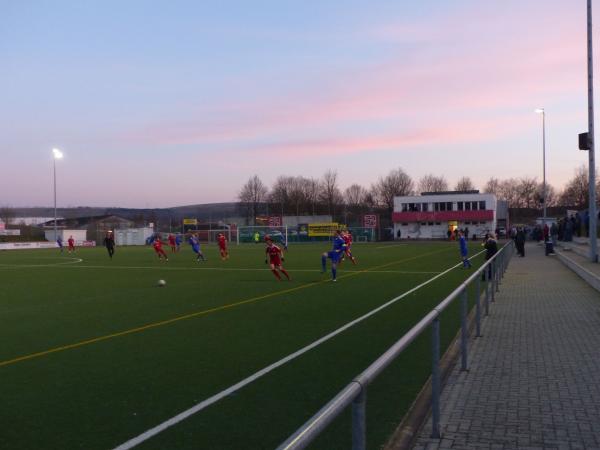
x: 355, y: 196
x: 279, y: 196
x: 464, y: 184
x: 527, y: 190
x: 396, y: 183
x: 253, y: 193
x: 7, y: 214
x: 311, y: 192
x: 551, y: 196
x: 492, y: 186
x: 296, y: 193
x: 431, y: 183
x: 329, y: 192
x: 509, y: 192
x: 576, y: 192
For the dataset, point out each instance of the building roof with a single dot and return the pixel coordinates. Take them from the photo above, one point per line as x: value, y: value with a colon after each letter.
x: 79, y: 222
x: 474, y: 191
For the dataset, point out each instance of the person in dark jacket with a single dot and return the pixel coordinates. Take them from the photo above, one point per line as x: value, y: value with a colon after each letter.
x: 520, y: 242
x: 109, y: 243
x: 491, y: 248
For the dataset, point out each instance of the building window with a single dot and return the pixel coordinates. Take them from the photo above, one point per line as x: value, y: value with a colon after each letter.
x: 430, y: 223
x: 442, y: 206
x: 482, y: 205
x: 467, y: 206
x: 438, y: 223
x: 449, y: 206
x: 424, y: 207
x: 404, y: 207
x: 459, y: 206
x: 404, y: 224
x: 423, y: 223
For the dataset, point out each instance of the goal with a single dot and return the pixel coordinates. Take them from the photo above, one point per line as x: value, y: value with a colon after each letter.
x: 254, y: 234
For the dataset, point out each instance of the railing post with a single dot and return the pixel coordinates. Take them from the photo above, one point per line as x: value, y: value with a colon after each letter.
x: 435, y: 378
x: 464, y: 332
x: 486, y: 279
x: 478, y: 306
x: 498, y: 269
x: 492, y: 275
x: 359, y: 420
x: 496, y: 272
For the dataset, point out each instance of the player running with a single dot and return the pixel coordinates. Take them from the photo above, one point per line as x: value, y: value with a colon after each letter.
x: 222, y: 241
x: 275, y: 257
x: 335, y: 255
x: 172, y: 243
x: 178, y: 240
x: 157, y: 244
x: 71, y: 243
x: 59, y: 242
x: 195, y: 243
x: 347, y: 236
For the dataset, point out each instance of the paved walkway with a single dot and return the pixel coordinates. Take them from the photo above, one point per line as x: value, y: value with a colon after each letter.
x: 534, y: 376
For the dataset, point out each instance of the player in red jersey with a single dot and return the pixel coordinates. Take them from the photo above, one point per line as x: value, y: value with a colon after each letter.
x: 157, y: 244
x: 71, y: 243
x: 348, y: 249
x: 222, y: 241
x: 172, y: 243
x: 275, y: 257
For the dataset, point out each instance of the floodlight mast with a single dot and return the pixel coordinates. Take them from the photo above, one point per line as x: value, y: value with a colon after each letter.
x: 593, y: 218
x: 543, y: 113
x: 57, y: 154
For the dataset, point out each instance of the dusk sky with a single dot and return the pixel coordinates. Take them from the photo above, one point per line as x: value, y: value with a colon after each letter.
x: 159, y: 104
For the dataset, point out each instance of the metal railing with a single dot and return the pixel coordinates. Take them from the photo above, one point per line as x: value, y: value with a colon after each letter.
x: 355, y: 392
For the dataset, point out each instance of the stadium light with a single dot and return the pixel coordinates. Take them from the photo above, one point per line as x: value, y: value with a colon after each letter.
x: 57, y: 154
x: 543, y: 113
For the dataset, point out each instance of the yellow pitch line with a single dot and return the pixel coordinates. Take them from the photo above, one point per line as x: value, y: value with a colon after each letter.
x: 196, y: 314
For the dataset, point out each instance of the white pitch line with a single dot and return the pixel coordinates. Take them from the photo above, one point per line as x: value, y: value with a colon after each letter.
x: 391, y: 246
x: 246, y: 269
x: 215, y: 398
x: 16, y: 266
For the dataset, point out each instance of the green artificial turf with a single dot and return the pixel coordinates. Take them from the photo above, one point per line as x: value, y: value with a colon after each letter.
x: 94, y: 352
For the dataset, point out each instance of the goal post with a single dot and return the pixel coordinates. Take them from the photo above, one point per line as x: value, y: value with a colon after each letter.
x: 256, y: 234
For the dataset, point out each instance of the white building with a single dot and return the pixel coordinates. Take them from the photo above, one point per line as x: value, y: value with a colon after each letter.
x: 431, y: 215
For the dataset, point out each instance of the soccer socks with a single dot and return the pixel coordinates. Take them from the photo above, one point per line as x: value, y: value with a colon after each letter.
x: 276, y: 274
x: 287, y: 275
x: 323, y: 263
x: 334, y: 272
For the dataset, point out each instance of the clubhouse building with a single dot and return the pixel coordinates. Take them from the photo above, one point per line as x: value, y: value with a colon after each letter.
x: 432, y: 214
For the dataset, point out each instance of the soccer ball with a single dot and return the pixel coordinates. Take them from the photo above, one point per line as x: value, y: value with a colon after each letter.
x: 162, y: 283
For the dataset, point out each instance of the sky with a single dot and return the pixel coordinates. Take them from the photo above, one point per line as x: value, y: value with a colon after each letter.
x: 159, y: 104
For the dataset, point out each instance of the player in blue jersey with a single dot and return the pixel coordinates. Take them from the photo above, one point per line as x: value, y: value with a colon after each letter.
x: 195, y: 243
x: 178, y: 240
x: 464, y: 252
x: 339, y: 245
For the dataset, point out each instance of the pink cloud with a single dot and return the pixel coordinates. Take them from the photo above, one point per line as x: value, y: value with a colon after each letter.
x: 475, y: 83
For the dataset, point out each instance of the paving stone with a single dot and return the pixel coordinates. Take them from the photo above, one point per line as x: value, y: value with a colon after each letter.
x: 534, y: 377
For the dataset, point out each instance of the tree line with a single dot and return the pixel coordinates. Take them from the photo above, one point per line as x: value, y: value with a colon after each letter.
x: 299, y: 195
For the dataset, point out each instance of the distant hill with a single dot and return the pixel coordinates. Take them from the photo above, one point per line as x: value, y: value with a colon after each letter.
x: 208, y: 212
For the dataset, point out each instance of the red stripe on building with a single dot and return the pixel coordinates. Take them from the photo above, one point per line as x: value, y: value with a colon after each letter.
x: 443, y: 216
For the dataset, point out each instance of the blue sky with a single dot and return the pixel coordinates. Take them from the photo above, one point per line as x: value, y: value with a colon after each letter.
x: 160, y: 104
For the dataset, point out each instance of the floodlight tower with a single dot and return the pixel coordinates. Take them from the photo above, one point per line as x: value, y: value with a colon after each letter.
x: 543, y: 113
x: 57, y: 154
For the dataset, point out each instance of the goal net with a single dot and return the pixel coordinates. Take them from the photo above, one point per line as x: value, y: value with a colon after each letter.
x: 256, y: 234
